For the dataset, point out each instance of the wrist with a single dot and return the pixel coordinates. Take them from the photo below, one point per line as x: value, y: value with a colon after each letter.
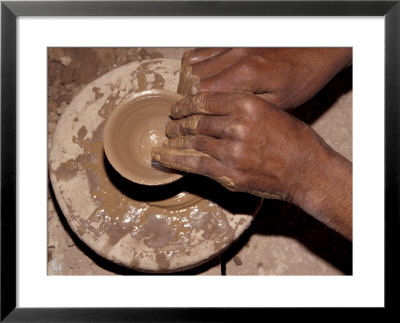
x: 325, y: 191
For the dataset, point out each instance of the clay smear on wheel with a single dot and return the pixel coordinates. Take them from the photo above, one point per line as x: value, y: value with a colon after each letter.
x: 168, y: 228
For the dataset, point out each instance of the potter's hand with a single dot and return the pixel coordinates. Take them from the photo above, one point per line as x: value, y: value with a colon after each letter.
x: 249, y: 145
x: 286, y: 77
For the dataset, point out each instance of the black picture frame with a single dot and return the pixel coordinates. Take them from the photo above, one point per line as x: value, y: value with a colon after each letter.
x: 10, y: 10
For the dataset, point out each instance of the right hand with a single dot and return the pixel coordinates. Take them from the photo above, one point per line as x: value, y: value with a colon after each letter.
x: 249, y: 145
x: 246, y: 144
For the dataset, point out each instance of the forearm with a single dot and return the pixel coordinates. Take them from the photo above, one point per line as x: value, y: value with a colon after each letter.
x: 326, y: 191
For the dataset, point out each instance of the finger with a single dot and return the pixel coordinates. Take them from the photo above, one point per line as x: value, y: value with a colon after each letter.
x: 191, y: 75
x: 219, y: 104
x: 192, y: 161
x: 188, y: 160
x: 213, y: 147
x: 217, y: 64
x: 200, y: 54
x: 212, y: 126
x: 275, y: 100
x: 237, y: 78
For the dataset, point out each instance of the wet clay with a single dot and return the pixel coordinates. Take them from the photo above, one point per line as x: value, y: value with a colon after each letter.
x: 164, y: 225
x: 148, y: 228
x: 133, y: 130
x: 188, y: 83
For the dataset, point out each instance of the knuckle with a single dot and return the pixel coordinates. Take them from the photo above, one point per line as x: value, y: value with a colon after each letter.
x: 199, y: 143
x: 237, y: 130
x: 179, y: 142
x: 189, y: 142
x: 256, y: 60
x: 191, y: 123
x: 237, y: 151
x: 245, y: 69
x: 241, y: 52
x: 251, y: 65
x: 251, y: 106
x: 200, y: 100
x: 251, y: 68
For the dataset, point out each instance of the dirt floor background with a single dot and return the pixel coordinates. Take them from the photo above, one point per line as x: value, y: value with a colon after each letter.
x: 282, y: 239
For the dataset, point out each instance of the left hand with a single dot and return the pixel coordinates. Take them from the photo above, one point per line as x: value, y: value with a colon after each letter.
x: 286, y: 77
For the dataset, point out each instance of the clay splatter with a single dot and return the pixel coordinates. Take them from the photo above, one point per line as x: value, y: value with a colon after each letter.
x: 167, y: 230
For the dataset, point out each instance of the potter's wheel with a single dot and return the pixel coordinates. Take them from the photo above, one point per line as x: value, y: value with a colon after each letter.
x: 157, y: 229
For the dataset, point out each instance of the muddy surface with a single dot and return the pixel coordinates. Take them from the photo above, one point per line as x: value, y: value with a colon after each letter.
x: 69, y: 71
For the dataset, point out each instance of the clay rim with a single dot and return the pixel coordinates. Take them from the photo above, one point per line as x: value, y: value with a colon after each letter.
x: 107, y: 143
